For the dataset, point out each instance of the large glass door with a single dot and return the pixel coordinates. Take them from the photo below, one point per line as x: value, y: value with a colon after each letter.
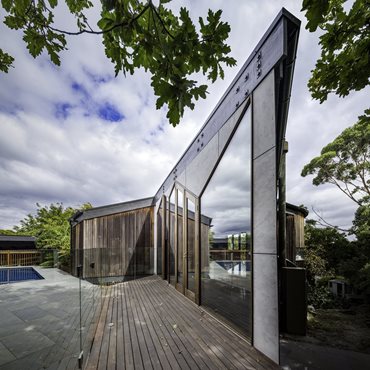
x: 226, y: 239
x: 191, y: 255
x: 171, y: 217
x: 161, y: 239
x: 179, y: 235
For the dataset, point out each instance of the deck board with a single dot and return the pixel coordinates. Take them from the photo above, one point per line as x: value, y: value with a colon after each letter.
x: 146, y: 324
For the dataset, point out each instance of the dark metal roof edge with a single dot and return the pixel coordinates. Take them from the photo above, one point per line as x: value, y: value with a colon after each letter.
x: 283, y: 13
x: 290, y: 16
x: 118, y: 204
x: 284, y: 90
x: 114, y: 208
x: 280, y: 16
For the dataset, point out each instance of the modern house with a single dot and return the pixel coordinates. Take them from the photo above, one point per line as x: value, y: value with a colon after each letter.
x: 216, y: 228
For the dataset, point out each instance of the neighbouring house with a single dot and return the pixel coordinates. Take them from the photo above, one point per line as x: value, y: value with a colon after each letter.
x: 211, y: 230
x: 339, y: 288
x: 295, y: 232
x: 17, y: 242
x: 17, y: 250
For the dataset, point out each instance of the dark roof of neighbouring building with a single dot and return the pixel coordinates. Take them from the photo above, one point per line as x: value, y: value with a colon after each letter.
x: 17, y: 238
x: 111, y: 209
x: 17, y: 242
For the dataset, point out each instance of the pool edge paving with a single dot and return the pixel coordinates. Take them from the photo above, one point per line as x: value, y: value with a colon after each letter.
x: 39, y: 320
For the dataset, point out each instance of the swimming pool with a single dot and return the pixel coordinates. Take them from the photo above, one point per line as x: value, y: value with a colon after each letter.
x: 15, y: 274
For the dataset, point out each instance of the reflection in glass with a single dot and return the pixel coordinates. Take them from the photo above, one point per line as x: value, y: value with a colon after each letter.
x: 180, y: 249
x: 190, y: 245
x: 226, y: 233
x: 159, y: 240
x: 171, y: 239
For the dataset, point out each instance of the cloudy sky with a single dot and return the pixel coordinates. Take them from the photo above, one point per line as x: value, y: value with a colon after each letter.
x: 76, y: 134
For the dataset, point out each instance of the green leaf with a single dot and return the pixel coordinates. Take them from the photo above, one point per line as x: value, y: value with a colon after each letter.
x: 315, y: 12
x: 14, y: 22
x: 105, y: 23
x: 35, y: 42
x: 21, y: 5
x: 6, y: 61
x: 344, y: 64
x: 7, y: 4
x: 53, y: 3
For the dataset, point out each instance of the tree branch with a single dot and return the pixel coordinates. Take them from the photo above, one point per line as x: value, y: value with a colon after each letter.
x: 122, y: 24
x: 325, y: 223
x: 362, y: 176
x: 160, y: 19
x: 334, y: 182
x: 159, y: 40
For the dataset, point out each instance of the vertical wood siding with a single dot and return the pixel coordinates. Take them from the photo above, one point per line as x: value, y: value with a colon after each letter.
x: 118, y: 245
x: 294, y: 235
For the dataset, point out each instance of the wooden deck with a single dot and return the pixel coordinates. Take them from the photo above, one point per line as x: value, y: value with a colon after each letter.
x: 145, y: 324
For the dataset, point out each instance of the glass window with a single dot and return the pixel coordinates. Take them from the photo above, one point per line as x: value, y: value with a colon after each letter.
x: 226, y: 233
x: 180, y: 236
x: 171, y: 239
x: 159, y: 239
x: 190, y: 245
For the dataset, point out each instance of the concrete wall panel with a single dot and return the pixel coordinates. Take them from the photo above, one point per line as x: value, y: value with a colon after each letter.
x: 264, y: 210
x: 264, y: 116
x: 265, y: 276
x: 265, y: 323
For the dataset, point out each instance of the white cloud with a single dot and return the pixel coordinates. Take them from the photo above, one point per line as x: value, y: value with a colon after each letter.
x: 48, y: 158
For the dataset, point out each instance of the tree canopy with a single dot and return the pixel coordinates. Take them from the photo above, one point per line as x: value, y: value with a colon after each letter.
x: 50, y: 225
x: 135, y: 34
x: 329, y: 254
x: 345, y: 162
x: 344, y: 64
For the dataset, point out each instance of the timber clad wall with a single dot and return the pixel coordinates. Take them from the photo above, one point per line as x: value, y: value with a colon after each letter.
x: 294, y: 235
x: 118, y: 245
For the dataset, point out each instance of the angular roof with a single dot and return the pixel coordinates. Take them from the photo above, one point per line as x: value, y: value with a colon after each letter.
x: 111, y: 209
x: 276, y: 49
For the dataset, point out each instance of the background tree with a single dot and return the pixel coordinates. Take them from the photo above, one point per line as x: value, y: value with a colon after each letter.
x: 135, y: 35
x: 345, y: 162
x: 8, y: 232
x: 328, y: 254
x: 344, y: 64
x: 50, y: 226
x: 326, y: 249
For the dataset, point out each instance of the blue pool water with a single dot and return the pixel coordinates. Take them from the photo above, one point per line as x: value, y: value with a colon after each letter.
x: 12, y: 275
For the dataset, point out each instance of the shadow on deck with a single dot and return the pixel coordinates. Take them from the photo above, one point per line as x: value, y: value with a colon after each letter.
x: 145, y: 324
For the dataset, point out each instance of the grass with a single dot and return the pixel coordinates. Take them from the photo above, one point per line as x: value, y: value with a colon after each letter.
x: 346, y: 329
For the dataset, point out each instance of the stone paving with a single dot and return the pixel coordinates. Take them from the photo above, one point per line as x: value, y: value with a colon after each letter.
x: 39, y: 321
